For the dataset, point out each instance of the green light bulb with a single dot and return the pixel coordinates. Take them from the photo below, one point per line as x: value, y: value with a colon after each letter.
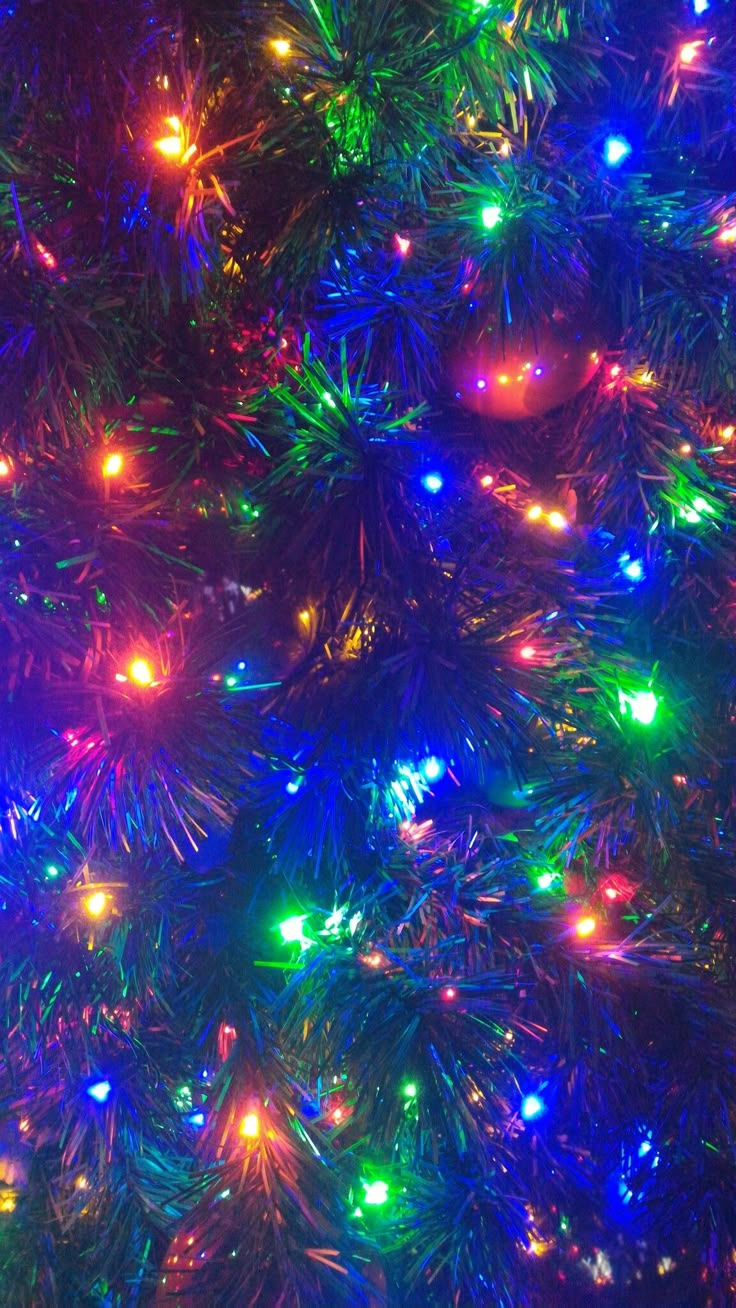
x: 410, y: 1090
x: 545, y: 879
x: 376, y: 1192
x: 640, y: 705
x: 52, y: 870
x: 491, y: 215
x: 292, y: 931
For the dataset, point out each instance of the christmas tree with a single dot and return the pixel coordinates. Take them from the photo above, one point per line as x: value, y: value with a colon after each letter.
x: 367, y: 781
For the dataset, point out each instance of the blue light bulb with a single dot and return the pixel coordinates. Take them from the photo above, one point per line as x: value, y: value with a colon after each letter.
x: 700, y: 6
x: 632, y: 569
x: 196, y: 1119
x: 532, y: 1107
x: 432, y: 482
x: 100, y: 1091
x: 432, y: 768
x: 615, y: 150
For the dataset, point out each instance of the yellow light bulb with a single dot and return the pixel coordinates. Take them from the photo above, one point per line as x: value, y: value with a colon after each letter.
x: 113, y: 465
x: 141, y: 672
x: 171, y: 147
x: 556, y: 520
x: 534, y: 512
x: 689, y: 51
x: 95, y: 904
x: 250, y: 1126
x: 586, y: 926
x: 4, y: 467
x: 281, y: 47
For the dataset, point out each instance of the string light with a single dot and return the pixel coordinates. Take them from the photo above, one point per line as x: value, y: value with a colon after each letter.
x: 96, y: 903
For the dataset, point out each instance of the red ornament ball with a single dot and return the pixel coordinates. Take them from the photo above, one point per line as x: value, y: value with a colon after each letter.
x: 512, y: 378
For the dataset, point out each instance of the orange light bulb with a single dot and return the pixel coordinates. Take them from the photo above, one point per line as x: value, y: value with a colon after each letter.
x: 586, y: 926
x: 141, y: 672
x: 689, y: 51
x: 113, y: 465
x: 95, y: 904
x: 250, y: 1127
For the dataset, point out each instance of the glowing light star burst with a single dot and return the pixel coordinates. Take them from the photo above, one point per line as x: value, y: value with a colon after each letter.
x: 100, y: 1091
x: 376, y: 1192
x: 615, y: 150
x: 532, y: 1107
x: 140, y: 671
x: 639, y: 705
